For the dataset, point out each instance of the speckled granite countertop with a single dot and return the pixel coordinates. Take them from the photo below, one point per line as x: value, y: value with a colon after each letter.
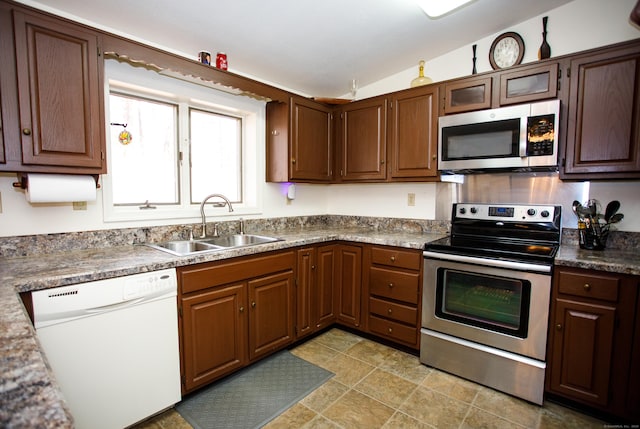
x: 29, y: 396
x: 612, y: 260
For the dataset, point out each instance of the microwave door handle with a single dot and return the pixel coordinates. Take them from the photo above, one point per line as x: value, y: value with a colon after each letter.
x: 523, y: 137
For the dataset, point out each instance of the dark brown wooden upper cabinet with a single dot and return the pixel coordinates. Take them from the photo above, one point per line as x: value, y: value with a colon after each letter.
x: 363, y: 138
x: 603, y: 126
x: 413, y: 133
x: 468, y: 94
x: 60, y: 94
x: 529, y: 84
x: 299, y: 143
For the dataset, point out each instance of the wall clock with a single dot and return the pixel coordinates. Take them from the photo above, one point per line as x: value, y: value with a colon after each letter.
x: 506, y: 51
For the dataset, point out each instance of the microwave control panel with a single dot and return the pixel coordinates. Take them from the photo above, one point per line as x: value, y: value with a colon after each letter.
x: 540, y: 135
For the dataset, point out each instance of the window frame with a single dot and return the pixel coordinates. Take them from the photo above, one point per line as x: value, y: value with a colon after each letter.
x: 125, y: 79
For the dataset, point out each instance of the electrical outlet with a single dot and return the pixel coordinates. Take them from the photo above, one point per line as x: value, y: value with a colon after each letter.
x: 411, y: 199
x: 79, y: 205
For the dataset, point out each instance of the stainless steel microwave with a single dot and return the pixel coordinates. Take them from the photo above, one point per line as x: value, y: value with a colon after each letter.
x: 522, y: 137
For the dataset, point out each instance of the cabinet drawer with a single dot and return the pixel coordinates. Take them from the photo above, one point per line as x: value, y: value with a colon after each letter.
x: 396, y: 285
x: 396, y: 257
x: 391, y: 310
x: 203, y: 276
x: 393, y: 330
x: 591, y: 285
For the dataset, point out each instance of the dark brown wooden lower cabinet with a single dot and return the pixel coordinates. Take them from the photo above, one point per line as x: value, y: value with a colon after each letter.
x: 214, y: 334
x: 593, y: 341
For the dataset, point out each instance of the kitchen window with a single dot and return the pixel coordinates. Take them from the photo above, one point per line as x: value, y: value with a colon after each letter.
x: 187, y: 141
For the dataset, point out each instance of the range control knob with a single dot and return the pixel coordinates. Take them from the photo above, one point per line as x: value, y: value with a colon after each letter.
x: 474, y: 210
x: 544, y: 213
x: 463, y: 210
x: 531, y: 212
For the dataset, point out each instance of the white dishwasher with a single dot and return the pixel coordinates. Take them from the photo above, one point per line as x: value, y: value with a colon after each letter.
x: 113, y: 346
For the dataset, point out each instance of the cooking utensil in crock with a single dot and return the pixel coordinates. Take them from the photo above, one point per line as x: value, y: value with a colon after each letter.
x: 612, y: 208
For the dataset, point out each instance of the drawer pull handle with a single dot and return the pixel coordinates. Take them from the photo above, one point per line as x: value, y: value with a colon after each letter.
x: 393, y: 259
x: 390, y: 330
x: 26, y: 131
x: 558, y: 327
x: 389, y: 311
x: 391, y: 285
x: 587, y: 287
x: 241, y: 309
x: 253, y: 304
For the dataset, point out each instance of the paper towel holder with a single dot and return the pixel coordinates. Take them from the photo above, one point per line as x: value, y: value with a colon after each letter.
x: 23, y: 181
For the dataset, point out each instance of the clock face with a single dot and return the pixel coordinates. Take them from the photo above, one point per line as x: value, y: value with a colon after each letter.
x: 506, y: 51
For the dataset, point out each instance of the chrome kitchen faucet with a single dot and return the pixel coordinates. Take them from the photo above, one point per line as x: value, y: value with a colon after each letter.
x: 204, y: 222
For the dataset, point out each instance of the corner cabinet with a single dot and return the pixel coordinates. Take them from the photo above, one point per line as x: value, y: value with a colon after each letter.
x: 57, y: 121
x: 233, y: 312
x: 315, y: 295
x: 413, y: 134
x: 591, y: 341
x: 603, y: 130
x: 299, y: 143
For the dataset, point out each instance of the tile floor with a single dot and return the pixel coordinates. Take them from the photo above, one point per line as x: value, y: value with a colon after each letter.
x: 376, y: 386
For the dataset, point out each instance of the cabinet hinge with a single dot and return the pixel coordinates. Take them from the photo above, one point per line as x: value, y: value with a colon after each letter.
x: 183, y: 379
x: 102, y: 155
x: 568, y: 71
x: 180, y: 311
x: 564, y: 162
x: 99, y: 51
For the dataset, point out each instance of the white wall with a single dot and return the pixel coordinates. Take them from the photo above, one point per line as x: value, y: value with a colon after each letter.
x: 579, y: 25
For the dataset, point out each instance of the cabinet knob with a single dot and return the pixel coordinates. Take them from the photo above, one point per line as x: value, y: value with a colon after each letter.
x: 389, y: 311
x: 275, y: 133
x: 293, y: 161
x: 558, y: 327
x: 241, y: 309
x: 382, y: 161
x: 390, y: 330
x: 434, y: 157
x: 253, y: 304
x: 587, y: 287
x: 313, y: 267
x: 393, y: 259
x: 390, y: 285
x: 26, y: 131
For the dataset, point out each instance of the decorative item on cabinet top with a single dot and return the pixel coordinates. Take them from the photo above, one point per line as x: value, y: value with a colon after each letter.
x: 421, y: 79
x: 506, y: 50
x: 545, y: 50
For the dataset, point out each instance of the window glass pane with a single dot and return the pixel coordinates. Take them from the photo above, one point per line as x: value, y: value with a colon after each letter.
x: 216, y: 155
x: 146, y: 169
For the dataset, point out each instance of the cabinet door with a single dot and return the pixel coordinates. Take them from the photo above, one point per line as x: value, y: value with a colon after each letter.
x: 349, y: 284
x: 466, y: 95
x: 305, y: 291
x: 529, y: 84
x: 326, y: 274
x: 214, y: 334
x: 60, y: 93
x: 311, y: 153
x: 603, y: 135
x: 414, y: 133
x: 364, y: 140
x: 582, y: 350
x: 270, y: 313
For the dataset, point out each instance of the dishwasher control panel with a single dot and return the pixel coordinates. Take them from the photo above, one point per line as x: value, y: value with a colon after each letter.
x: 153, y: 283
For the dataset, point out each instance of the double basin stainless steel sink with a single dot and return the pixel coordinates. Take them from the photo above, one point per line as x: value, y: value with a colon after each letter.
x: 190, y: 247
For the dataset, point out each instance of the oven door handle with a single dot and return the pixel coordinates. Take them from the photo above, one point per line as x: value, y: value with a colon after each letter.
x: 499, y: 263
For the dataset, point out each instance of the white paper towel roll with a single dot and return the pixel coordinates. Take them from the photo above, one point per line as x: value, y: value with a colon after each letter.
x: 60, y: 188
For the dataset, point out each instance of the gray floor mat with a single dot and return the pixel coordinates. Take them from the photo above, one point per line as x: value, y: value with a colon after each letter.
x: 255, y: 395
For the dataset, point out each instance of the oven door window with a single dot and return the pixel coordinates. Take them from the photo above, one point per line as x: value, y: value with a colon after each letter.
x: 499, y: 139
x: 498, y: 304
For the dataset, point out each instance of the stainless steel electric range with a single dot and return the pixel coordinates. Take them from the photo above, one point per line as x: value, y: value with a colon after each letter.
x: 486, y: 296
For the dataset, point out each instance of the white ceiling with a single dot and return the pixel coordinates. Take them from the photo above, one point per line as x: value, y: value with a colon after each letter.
x: 312, y: 47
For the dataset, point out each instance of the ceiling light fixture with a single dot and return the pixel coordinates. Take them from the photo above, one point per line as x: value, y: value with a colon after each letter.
x: 437, y: 8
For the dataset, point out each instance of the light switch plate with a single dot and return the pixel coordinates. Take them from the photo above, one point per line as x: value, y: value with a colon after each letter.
x: 79, y: 205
